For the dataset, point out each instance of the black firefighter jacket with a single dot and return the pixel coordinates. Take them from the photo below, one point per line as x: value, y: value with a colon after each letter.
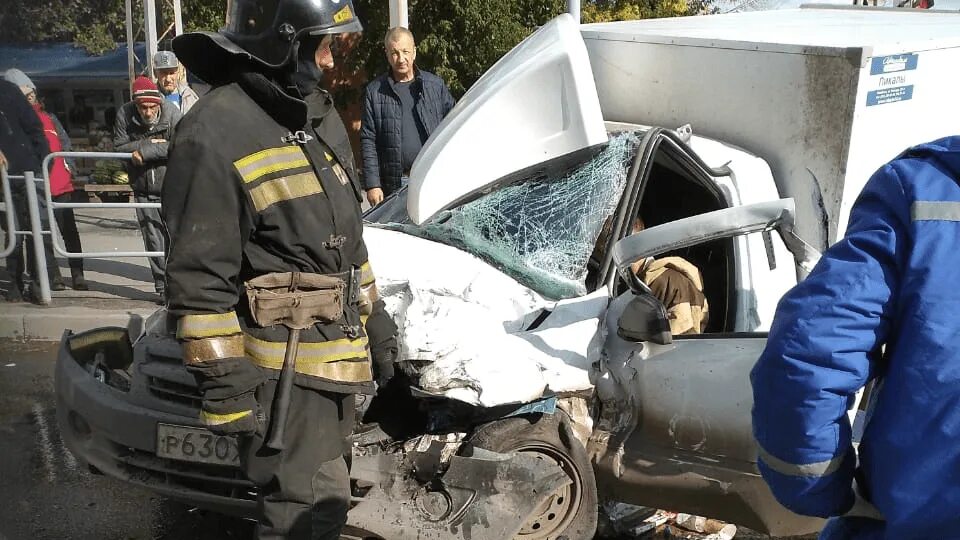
x: 250, y: 200
x: 130, y: 133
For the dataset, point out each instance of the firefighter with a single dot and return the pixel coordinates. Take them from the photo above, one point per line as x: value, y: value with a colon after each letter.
x: 265, y: 229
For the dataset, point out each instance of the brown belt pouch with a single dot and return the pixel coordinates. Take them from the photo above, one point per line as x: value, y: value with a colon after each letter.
x: 295, y: 299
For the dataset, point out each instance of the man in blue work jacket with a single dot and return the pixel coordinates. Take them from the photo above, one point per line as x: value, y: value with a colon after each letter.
x: 883, y: 303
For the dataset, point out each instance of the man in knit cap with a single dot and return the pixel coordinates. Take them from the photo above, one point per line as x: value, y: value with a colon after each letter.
x: 144, y: 126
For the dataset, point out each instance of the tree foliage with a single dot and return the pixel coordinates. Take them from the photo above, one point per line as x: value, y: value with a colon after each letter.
x: 456, y: 39
x: 96, y: 25
x: 623, y: 10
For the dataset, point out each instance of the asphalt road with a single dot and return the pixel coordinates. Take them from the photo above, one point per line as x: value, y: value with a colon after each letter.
x: 47, y: 495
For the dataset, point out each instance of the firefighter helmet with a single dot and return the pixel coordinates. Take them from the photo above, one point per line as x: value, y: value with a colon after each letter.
x: 265, y: 31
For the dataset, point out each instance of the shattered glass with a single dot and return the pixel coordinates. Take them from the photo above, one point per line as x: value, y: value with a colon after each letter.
x: 541, y: 231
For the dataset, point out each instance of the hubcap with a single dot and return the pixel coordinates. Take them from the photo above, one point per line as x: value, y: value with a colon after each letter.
x: 552, y: 517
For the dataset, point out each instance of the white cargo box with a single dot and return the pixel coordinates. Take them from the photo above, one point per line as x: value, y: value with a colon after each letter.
x: 825, y: 95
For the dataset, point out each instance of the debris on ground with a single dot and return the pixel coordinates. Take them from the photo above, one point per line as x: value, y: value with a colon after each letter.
x: 690, y: 527
x: 630, y: 521
x: 624, y: 520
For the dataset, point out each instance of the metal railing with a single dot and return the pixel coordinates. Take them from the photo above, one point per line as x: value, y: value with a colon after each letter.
x: 8, y: 212
x: 37, y: 231
x: 51, y: 206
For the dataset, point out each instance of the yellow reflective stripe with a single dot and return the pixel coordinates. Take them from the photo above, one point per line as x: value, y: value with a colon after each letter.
x: 344, y: 14
x: 284, y: 189
x: 366, y: 274
x: 270, y: 160
x: 96, y: 337
x: 269, y: 354
x: 214, y: 419
x: 210, y: 349
x: 340, y: 360
x: 208, y: 325
x: 328, y: 156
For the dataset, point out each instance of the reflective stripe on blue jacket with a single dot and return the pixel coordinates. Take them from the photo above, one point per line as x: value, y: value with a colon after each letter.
x: 884, y: 303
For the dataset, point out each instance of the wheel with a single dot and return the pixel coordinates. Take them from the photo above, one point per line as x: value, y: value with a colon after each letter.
x: 571, y: 512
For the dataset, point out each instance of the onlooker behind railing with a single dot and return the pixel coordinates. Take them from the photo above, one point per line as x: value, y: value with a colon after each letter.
x: 172, y: 81
x: 61, y: 180
x: 144, y: 127
x: 23, y: 144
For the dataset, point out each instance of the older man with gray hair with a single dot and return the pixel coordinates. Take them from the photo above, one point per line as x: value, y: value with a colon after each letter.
x: 400, y: 111
x: 172, y: 81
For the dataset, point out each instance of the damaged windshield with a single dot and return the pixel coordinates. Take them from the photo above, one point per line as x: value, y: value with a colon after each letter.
x: 539, y: 227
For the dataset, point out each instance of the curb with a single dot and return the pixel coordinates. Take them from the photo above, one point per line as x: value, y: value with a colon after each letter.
x: 44, y: 324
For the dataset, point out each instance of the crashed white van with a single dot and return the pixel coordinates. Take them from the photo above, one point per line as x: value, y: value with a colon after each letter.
x: 537, y: 376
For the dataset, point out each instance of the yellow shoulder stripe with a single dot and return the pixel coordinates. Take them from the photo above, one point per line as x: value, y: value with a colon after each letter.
x: 259, y: 164
x: 284, y: 188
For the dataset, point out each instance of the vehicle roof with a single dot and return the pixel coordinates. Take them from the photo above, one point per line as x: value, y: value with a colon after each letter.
x: 819, y: 26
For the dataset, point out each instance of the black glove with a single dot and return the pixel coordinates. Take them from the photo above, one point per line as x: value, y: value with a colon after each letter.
x: 227, y: 386
x: 382, y: 334
x: 383, y: 364
x: 237, y: 415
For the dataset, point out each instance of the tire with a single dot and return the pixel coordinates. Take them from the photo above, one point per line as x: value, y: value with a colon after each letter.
x: 571, y: 512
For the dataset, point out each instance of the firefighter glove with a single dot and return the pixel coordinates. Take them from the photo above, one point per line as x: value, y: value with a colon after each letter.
x: 382, y: 333
x: 227, y: 388
x: 383, y: 364
x: 237, y: 415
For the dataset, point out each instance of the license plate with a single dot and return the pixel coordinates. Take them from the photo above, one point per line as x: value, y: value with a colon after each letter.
x: 197, y: 445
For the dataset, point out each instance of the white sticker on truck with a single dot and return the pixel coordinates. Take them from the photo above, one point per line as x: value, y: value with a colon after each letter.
x: 891, y: 76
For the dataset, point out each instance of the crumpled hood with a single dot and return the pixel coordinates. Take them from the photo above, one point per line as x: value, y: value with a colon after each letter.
x: 469, y: 321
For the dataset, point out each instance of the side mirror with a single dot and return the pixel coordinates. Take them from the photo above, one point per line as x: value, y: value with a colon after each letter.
x: 645, y: 319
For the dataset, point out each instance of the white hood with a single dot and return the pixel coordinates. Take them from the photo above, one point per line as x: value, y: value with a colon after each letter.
x: 536, y: 103
x: 468, y: 319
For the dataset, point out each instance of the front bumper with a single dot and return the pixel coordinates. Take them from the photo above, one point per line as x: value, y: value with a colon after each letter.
x: 114, y: 430
x: 423, y: 487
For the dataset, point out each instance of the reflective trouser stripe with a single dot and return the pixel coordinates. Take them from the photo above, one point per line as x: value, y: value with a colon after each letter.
x: 339, y: 360
x: 821, y: 468
x: 935, y: 211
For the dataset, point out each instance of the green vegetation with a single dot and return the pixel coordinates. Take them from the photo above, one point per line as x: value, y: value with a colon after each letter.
x: 457, y: 39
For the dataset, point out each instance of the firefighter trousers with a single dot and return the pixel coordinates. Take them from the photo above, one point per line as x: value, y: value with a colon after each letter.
x: 304, y: 490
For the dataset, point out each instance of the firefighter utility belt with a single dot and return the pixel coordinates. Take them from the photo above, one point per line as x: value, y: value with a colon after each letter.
x: 301, y: 299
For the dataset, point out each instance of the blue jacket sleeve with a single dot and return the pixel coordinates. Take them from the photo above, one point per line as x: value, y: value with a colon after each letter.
x: 826, y: 333
x: 368, y: 143
x: 448, y: 101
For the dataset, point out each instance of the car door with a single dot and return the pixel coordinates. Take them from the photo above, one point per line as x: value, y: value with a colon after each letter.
x: 685, y: 440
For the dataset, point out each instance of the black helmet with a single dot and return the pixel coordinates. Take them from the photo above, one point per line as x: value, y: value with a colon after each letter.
x: 265, y: 31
